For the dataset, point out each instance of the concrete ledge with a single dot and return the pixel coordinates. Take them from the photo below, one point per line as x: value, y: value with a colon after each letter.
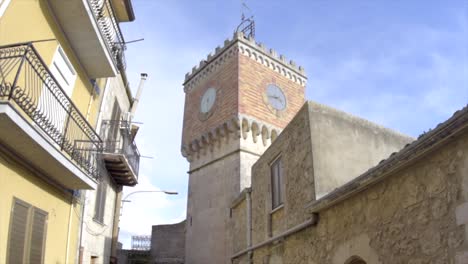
x: 21, y: 137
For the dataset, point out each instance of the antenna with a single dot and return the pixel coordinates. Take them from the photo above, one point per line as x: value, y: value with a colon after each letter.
x: 244, y: 7
x: 247, y: 25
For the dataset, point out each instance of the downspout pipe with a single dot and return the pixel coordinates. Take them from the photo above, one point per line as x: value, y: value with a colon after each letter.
x: 144, y: 76
x: 310, y: 222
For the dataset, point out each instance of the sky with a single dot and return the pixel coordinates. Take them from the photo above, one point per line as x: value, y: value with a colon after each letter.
x: 401, y: 64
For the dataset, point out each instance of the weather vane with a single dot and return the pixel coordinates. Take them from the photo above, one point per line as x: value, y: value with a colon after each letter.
x: 247, y: 25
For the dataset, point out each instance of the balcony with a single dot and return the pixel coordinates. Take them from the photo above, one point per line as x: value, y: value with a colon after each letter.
x: 40, y: 124
x: 120, y: 153
x: 92, y: 29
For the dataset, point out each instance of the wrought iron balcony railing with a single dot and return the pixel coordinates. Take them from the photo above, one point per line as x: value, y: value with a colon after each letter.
x: 118, y: 140
x: 26, y: 82
x: 108, y: 26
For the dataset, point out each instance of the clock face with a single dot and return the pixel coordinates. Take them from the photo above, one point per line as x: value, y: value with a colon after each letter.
x: 207, y: 101
x: 276, y: 97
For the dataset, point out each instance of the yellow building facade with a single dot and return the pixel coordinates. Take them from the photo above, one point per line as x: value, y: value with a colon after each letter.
x: 51, y: 89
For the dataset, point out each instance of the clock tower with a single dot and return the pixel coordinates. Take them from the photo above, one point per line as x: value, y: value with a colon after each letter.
x: 237, y: 101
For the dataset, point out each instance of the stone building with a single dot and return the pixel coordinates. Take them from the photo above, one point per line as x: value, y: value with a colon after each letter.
x: 409, y: 208
x: 331, y: 188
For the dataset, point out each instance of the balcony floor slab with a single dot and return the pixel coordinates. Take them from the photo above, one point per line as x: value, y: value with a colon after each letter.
x: 24, y: 139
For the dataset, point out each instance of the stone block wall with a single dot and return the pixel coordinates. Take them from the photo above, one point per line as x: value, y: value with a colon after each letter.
x: 294, y: 147
x: 168, y: 244
x: 239, y: 224
x: 211, y: 190
x: 416, y: 214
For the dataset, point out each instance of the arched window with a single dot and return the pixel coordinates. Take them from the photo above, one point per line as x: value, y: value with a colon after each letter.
x: 355, y: 260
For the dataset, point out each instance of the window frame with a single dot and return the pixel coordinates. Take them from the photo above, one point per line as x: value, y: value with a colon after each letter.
x: 62, y: 69
x: 276, y: 189
x: 28, y: 232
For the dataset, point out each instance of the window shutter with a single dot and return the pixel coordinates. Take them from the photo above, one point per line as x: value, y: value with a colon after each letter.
x: 100, y: 201
x: 114, y: 132
x: 17, y: 237
x: 276, y: 183
x: 103, y: 200
x: 38, y: 234
x: 97, y: 206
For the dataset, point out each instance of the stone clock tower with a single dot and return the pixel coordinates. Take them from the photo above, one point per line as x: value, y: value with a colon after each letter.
x: 237, y: 101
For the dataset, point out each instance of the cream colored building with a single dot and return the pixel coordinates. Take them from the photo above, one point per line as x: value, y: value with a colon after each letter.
x: 57, y: 60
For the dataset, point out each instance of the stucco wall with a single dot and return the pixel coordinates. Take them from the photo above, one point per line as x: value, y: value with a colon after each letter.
x: 114, y: 91
x: 97, y: 237
x: 17, y: 181
x: 40, y: 25
x: 345, y: 146
x: 168, y: 243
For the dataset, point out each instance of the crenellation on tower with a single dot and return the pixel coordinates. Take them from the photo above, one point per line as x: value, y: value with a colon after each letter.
x: 250, y: 48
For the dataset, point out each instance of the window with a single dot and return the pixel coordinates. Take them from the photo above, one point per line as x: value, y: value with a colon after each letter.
x: 26, y: 241
x: 49, y: 104
x: 63, y: 71
x: 100, y: 201
x: 276, y: 183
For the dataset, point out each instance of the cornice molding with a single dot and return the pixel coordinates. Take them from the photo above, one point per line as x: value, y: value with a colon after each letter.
x: 241, y: 127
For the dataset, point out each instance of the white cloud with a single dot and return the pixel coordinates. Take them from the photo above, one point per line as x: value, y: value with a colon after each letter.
x: 146, y: 209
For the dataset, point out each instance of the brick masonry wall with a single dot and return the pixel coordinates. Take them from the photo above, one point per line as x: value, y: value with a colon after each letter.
x: 225, y: 82
x: 241, y: 84
x: 410, y: 217
x: 253, y: 80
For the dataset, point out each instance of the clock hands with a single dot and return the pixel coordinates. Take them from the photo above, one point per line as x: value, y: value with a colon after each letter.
x: 277, y: 98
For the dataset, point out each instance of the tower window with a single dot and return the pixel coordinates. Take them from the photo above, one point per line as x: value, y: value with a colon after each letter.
x: 276, y: 170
